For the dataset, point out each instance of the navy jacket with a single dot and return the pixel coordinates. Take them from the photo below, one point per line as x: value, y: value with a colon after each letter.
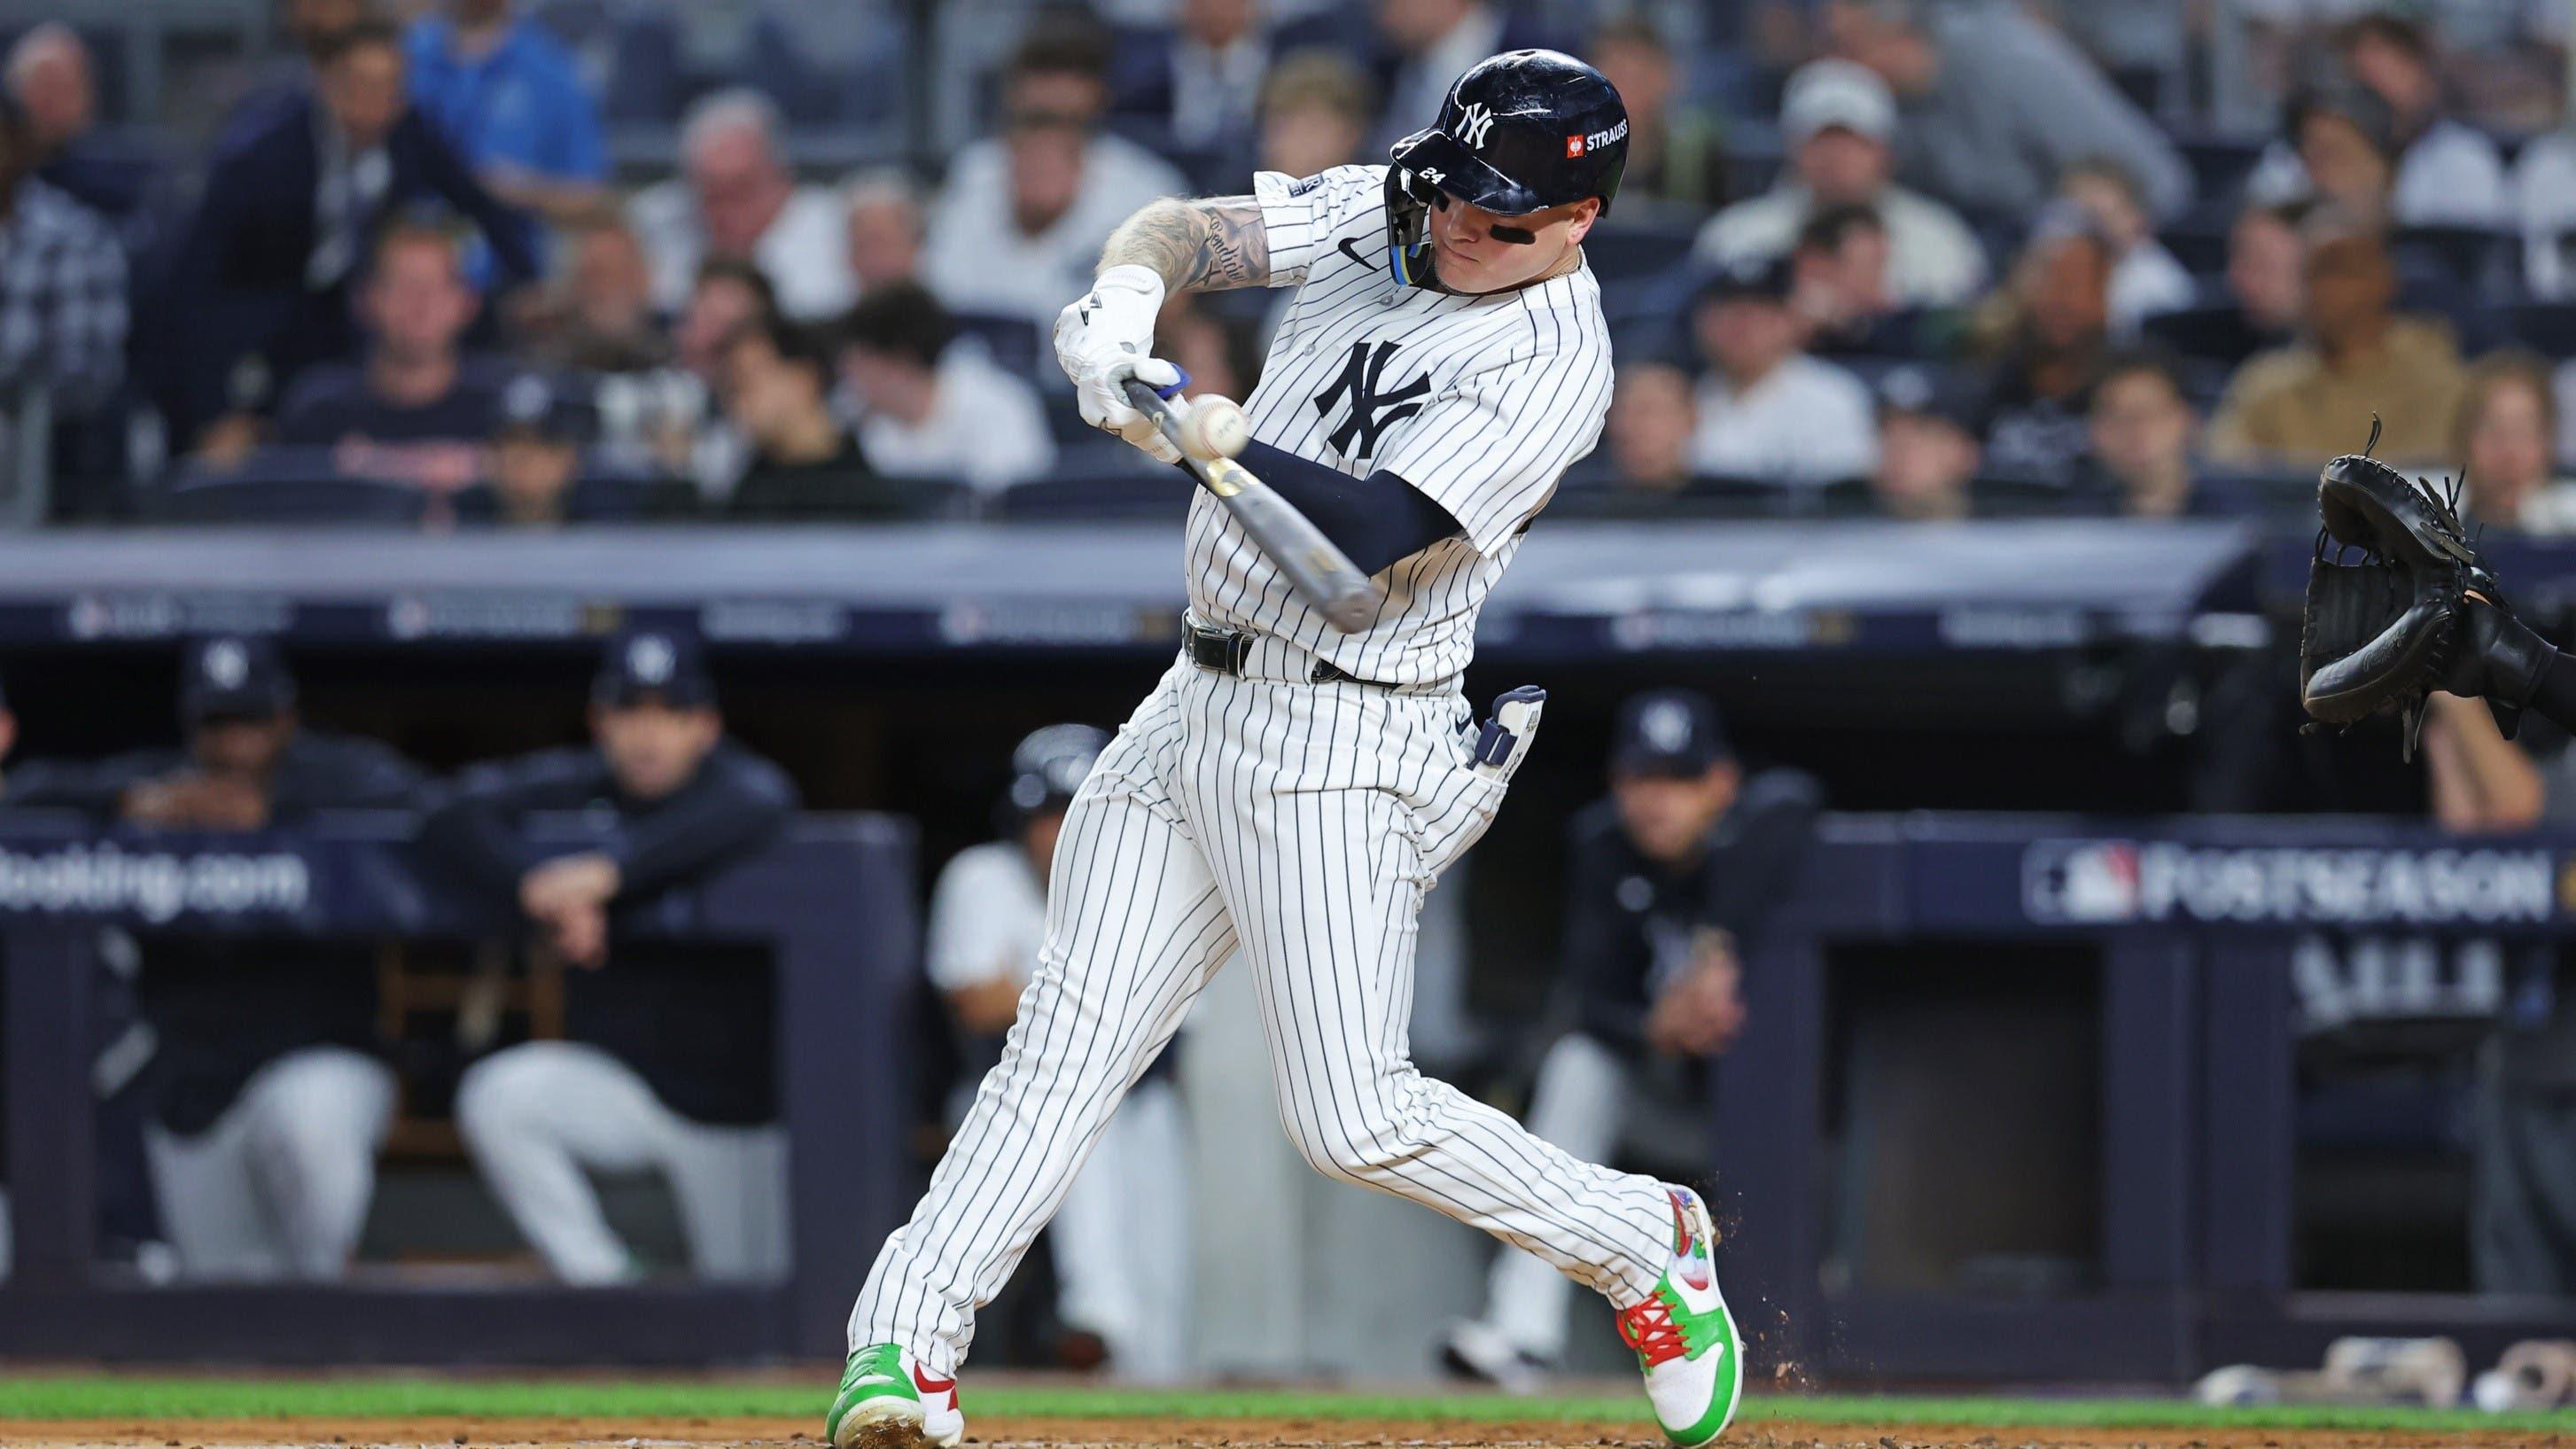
x: 1629, y: 920
x: 694, y: 1020
x: 236, y: 278
x: 221, y: 1009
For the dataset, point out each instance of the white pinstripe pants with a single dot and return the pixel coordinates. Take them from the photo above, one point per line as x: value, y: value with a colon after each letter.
x: 1302, y: 822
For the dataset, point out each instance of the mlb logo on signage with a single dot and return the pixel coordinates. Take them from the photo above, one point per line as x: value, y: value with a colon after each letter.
x: 2069, y: 881
x: 1573, y: 147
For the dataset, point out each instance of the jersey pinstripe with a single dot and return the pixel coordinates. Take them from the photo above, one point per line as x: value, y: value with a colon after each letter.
x: 1480, y: 402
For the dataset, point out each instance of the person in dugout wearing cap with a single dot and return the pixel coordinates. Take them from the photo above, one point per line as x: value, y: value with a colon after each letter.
x: 1670, y: 880
x: 624, y: 1091
x: 268, y: 1098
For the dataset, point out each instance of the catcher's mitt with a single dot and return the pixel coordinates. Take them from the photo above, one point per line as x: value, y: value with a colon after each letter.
x: 2382, y: 632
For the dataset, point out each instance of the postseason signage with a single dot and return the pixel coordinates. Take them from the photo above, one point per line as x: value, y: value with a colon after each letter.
x: 2109, y: 882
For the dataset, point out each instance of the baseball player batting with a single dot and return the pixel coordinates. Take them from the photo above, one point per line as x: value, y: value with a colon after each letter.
x: 1292, y: 789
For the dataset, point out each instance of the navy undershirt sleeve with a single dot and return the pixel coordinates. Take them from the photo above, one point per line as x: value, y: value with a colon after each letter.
x: 1375, y: 520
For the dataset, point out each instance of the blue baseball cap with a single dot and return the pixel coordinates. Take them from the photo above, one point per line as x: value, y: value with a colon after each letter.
x: 654, y: 663
x: 234, y: 676
x: 1672, y: 732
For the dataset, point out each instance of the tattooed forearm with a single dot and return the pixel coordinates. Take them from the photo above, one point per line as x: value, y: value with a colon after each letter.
x: 1209, y: 245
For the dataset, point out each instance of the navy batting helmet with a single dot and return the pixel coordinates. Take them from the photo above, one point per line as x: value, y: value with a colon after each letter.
x: 1047, y: 768
x: 1519, y: 132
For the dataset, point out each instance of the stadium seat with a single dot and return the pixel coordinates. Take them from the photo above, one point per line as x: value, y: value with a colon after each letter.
x: 2548, y: 328
x: 2219, y: 164
x: 1627, y: 250
x: 2489, y: 261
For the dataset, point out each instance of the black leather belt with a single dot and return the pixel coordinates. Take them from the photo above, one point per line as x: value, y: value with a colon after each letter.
x: 1223, y: 651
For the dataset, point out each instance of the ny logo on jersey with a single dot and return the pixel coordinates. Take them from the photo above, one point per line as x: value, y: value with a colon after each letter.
x: 1371, y: 409
x: 1474, y: 122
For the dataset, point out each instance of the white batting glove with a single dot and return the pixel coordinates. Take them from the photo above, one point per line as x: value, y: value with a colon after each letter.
x: 1106, y: 337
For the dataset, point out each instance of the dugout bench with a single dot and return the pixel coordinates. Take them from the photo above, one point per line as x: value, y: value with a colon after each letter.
x: 834, y: 901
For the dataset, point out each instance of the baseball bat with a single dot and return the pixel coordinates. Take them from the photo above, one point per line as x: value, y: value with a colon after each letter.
x: 1321, y: 574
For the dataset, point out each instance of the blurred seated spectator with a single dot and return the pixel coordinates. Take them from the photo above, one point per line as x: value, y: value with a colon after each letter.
x: 804, y: 464
x: 2343, y: 140
x: 1993, y: 105
x: 2052, y: 329
x: 2266, y: 278
x: 2508, y: 426
x: 1928, y: 450
x: 668, y: 1061
x: 1315, y: 113
x: 1838, y: 122
x: 1218, y: 354
x: 1427, y: 44
x: 1200, y: 80
x: 62, y: 284
x: 670, y: 420
x: 2442, y: 172
x: 1838, y: 284
x: 2262, y: 298
x: 1019, y: 224
x: 293, y: 198
x: 2143, y: 458
x: 1676, y: 149
x: 598, y: 315
x: 2544, y: 195
x: 2296, y: 405
x: 268, y: 1097
x: 884, y: 220
x: 507, y: 96
x: 736, y: 198
x: 536, y: 468
x: 928, y: 409
x: 2145, y: 278
x: 1654, y: 419
x: 1671, y: 883
x: 417, y: 410
x: 49, y: 73
x: 1766, y: 409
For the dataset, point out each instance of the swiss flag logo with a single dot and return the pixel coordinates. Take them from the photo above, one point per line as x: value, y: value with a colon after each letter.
x: 1573, y: 147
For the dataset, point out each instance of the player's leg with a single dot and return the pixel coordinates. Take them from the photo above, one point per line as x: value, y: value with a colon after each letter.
x: 210, y: 1208
x: 1352, y: 804
x: 315, y: 1120
x: 533, y: 1116
x: 1134, y: 928
x: 731, y: 1186
x: 1579, y: 1103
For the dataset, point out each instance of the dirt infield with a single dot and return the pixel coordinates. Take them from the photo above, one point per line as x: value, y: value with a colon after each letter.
x: 1009, y: 1432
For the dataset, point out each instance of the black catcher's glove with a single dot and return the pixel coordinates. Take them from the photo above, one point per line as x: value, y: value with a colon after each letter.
x: 2414, y: 613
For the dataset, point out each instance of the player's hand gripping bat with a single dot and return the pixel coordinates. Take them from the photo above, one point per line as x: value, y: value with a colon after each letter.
x: 1321, y: 574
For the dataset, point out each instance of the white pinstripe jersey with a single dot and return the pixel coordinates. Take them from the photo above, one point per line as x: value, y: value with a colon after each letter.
x: 1479, y: 402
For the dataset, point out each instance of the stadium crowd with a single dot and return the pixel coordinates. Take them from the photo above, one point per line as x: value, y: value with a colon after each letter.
x: 1916, y: 258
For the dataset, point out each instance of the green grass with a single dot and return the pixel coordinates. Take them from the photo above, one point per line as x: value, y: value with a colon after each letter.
x: 116, y: 1396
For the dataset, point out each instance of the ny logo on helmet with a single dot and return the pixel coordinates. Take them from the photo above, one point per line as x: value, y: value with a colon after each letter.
x: 1474, y: 122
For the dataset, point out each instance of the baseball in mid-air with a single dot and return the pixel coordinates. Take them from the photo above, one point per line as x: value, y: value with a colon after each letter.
x: 1214, y: 428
